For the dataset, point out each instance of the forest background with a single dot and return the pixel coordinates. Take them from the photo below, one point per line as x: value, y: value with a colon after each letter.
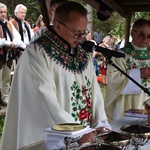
x: 113, y: 26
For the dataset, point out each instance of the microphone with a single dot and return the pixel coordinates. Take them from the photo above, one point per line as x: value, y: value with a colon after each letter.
x: 89, y: 46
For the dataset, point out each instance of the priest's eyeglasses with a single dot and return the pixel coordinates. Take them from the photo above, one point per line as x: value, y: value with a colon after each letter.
x: 76, y: 35
x: 142, y: 35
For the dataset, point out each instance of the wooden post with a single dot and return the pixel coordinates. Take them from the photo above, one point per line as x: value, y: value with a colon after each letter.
x: 90, y: 18
x: 127, y: 26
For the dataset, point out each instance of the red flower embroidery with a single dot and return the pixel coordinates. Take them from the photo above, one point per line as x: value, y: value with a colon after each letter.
x: 83, y: 114
x: 88, y: 102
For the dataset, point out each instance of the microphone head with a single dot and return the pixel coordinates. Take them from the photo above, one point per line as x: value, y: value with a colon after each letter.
x: 109, y: 53
x: 88, y: 46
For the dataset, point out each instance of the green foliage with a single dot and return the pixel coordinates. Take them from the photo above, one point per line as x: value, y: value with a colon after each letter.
x: 115, y: 25
x: 138, y: 15
x: 1, y: 125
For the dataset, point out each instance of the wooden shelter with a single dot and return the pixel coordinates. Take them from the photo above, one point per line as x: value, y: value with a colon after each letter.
x: 124, y: 7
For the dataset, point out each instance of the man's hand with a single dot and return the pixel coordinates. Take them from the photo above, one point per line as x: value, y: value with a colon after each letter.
x: 102, y: 130
x: 89, y: 137
x: 12, y: 45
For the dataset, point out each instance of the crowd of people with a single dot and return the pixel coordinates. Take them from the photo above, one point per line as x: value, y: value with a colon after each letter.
x: 16, y: 34
x: 100, y: 64
x: 11, y: 43
x: 54, y: 73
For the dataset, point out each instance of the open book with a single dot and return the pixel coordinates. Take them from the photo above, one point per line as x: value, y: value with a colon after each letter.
x: 135, y: 113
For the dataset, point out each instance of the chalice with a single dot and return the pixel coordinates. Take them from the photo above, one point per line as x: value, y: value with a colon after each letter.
x: 140, y: 134
x: 114, y: 140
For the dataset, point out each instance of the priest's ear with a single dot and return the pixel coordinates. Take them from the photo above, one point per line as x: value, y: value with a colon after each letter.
x: 56, y: 25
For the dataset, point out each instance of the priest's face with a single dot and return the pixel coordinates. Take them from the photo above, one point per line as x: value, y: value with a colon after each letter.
x: 72, y: 31
x: 3, y: 13
x: 141, y: 36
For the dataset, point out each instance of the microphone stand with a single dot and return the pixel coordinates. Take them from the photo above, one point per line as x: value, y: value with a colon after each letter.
x: 108, y: 59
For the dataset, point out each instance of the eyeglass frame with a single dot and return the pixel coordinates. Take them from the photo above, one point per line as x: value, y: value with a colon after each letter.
x: 142, y: 35
x: 79, y: 35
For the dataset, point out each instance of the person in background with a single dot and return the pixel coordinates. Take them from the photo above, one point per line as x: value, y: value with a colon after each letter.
x: 39, y: 24
x: 95, y: 61
x: 54, y: 73
x: 23, y: 27
x: 103, y: 65
x: 121, y: 93
x: 119, y: 44
x: 21, y: 24
x: 9, y: 41
x: 106, y: 42
x: 112, y: 43
x: 89, y: 37
x: 98, y: 36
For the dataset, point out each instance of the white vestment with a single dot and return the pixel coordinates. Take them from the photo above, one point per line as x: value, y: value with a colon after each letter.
x: 50, y: 86
x: 121, y: 93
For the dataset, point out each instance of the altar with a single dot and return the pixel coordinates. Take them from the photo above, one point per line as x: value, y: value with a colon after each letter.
x: 116, y: 125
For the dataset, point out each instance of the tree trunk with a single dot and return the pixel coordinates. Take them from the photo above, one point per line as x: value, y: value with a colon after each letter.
x: 90, y: 18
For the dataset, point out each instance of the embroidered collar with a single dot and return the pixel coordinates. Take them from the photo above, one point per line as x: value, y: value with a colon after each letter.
x: 137, y: 54
x: 59, y: 50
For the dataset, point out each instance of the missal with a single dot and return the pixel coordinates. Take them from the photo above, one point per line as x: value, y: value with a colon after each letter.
x: 139, y: 113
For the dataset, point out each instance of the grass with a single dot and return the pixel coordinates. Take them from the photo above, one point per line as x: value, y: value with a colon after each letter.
x: 2, y: 118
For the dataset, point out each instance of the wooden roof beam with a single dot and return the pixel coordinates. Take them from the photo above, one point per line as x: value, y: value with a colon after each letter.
x: 133, y: 2
x: 93, y: 3
x: 115, y: 7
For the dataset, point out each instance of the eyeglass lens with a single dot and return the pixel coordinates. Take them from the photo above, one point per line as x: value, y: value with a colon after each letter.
x: 143, y: 35
x: 81, y: 34
x: 78, y: 35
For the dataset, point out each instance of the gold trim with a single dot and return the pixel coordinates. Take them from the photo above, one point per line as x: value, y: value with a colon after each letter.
x: 68, y: 127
